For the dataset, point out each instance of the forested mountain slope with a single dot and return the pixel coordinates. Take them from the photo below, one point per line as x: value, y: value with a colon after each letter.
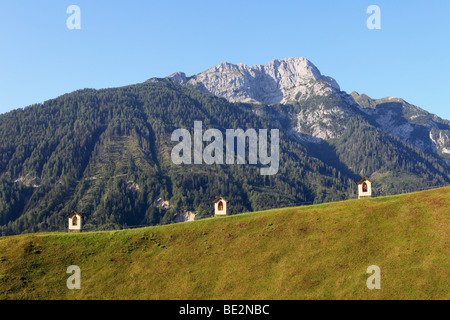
x: 107, y: 154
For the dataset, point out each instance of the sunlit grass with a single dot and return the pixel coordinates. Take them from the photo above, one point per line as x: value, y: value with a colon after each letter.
x: 309, y: 252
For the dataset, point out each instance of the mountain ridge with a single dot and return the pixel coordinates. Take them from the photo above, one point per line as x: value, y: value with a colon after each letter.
x: 296, y: 79
x: 106, y: 154
x: 410, y: 123
x: 278, y: 81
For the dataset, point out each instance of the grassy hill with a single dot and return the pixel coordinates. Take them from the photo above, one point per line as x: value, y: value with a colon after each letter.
x: 311, y: 252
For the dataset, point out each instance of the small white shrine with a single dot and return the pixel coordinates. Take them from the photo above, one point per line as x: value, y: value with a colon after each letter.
x: 364, y: 188
x: 220, y: 206
x: 74, y: 221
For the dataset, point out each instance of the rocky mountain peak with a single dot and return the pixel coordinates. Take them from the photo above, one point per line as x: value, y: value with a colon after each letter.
x: 278, y: 81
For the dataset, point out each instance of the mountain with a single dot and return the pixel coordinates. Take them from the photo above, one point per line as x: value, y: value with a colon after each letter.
x: 293, y: 80
x: 411, y: 124
x: 279, y: 81
x: 309, y: 252
x: 107, y: 153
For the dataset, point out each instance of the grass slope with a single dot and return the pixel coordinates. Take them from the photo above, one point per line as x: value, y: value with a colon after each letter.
x: 312, y: 252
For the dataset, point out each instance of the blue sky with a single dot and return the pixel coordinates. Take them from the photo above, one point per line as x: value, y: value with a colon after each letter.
x: 126, y: 42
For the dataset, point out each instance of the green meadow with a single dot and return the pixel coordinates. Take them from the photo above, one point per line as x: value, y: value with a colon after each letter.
x: 309, y: 252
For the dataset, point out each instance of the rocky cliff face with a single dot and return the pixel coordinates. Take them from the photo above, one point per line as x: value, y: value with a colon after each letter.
x: 297, y: 80
x: 411, y: 124
x: 278, y: 81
